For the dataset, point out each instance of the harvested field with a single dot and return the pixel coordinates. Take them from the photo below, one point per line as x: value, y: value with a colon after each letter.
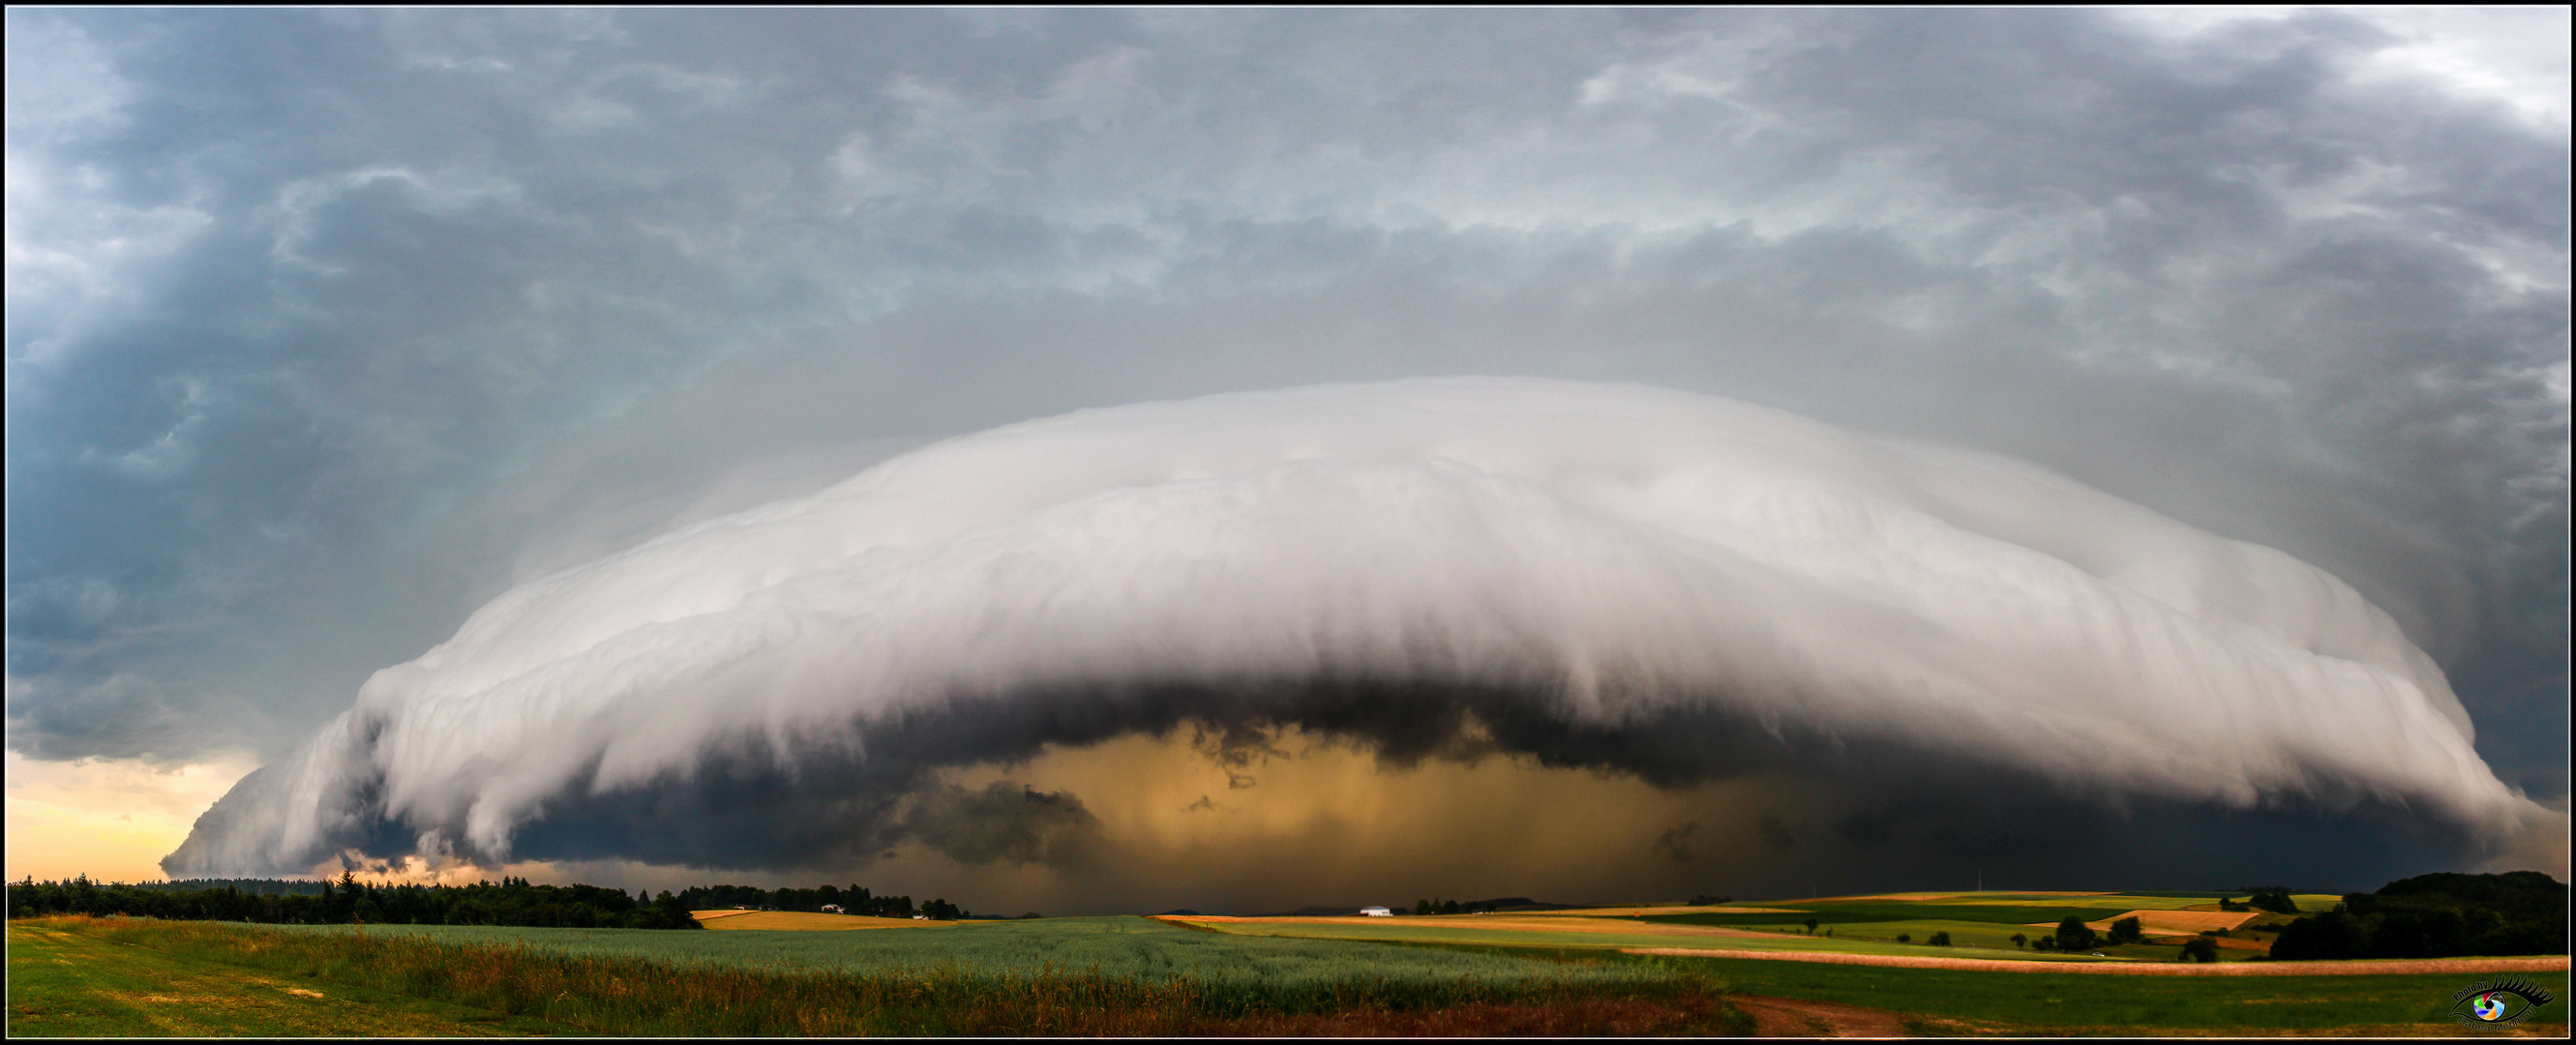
x: 805, y: 921
x: 2464, y: 966
x: 2180, y: 923
x: 2002, y: 898
x: 1632, y: 912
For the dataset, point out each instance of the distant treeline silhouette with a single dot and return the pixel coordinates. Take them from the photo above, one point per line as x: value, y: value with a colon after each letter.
x: 2437, y: 916
x: 291, y: 901
x: 285, y: 902
x: 262, y: 886
x: 853, y: 900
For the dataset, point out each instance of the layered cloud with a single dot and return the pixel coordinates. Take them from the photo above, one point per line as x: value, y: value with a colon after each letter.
x: 1672, y: 585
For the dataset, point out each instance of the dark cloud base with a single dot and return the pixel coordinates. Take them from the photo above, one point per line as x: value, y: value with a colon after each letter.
x: 1916, y: 818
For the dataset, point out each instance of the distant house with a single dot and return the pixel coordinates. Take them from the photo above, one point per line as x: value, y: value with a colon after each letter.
x: 920, y: 917
x: 1377, y: 912
x: 833, y: 908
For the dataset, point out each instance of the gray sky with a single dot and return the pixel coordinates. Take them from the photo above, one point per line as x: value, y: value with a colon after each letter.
x: 324, y: 327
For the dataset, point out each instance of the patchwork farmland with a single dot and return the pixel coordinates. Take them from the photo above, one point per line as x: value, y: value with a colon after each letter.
x: 1865, y: 966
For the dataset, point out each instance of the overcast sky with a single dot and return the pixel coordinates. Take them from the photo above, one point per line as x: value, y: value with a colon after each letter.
x: 326, y: 326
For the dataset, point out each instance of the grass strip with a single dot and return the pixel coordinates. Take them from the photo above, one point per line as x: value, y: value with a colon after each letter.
x: 636, y: 996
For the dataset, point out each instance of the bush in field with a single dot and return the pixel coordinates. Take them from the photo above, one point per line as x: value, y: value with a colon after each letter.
x: 2127, y: 930
x: 2044, y: 943
x: 2200, y: 949
x: 1939, y: 939
x: 1905, y: 937
x: 2020, y: 940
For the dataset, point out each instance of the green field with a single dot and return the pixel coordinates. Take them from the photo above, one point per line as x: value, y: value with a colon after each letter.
x: 1012, y: 979
x: 68, y: 984
x: 1464, y: 931
x: 1122, y: 946
x: 1112, y: 976
x: 2042, y: 1003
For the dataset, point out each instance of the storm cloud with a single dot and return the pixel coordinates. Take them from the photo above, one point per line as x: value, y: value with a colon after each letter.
x: 328, y: 328
x: 1576, y: 568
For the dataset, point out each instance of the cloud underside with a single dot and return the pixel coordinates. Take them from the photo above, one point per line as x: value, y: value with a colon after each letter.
x: 1670, y: 586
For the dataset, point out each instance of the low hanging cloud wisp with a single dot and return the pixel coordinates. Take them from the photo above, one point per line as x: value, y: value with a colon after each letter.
x: 1627, y: 577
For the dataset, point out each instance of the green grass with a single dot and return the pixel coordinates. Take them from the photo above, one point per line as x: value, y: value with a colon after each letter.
x: 69, y: 984
x: 2045, y: 1000
x: 1126, y: 947
x: 1399, y: 931
x: 2046, y: 1003
x: 1996, y: 936
x: 572, y: 979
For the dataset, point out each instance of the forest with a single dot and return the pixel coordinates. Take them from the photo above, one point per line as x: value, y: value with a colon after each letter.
x: 514, y: 901
x: 2437, y: 916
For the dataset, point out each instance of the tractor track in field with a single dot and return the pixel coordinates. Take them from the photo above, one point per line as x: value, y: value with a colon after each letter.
x: 1799, y: 1018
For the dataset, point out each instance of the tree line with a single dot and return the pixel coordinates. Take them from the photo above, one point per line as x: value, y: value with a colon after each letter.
x: 2437, y: 916
x: 853, y: 900
x: 512, y: 901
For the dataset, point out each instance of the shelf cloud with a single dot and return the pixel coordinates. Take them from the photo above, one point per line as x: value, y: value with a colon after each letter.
x: 1664, y: 584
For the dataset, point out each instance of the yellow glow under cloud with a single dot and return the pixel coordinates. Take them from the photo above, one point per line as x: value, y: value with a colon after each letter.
x: 1317, y: 822
x: 111, y: 819
x: 1322, y: 823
